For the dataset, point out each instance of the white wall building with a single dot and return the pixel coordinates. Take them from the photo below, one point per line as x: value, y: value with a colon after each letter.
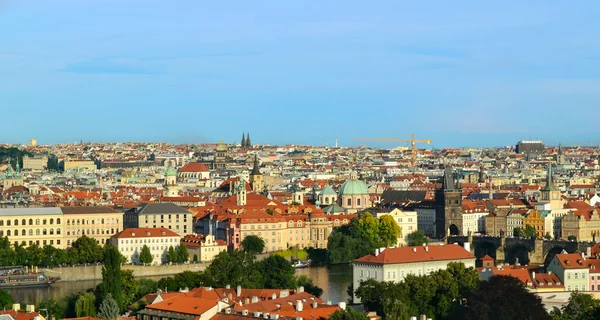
x: 426, y: 220
x: 474, y: 222
x: 394, y: 264
x: 406, y: 220
x: 131, y: 241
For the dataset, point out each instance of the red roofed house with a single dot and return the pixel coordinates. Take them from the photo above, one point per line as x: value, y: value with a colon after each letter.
x: 203, y: 248
x: 572, y: 270
x: 131, y: 241
x: 394, y: 264
x: 194, y: 172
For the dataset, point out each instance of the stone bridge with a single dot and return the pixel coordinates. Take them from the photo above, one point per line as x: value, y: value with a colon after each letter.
x: 527, y: 251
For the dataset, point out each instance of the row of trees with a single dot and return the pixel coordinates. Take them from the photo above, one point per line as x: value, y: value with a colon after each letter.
x: 179, y: 255
x: 83, y: 250
x: 360, y: 237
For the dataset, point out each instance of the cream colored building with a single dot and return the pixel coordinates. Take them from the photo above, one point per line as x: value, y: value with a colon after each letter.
x: 99, y: 223
x: 204, y: 248
x: 474, y: 222
x: 35, y: 163
x: 406, y: 220
x: 272, y: 229
x: 572, y: 270
x: 159, y: 215
x: 131, y: 241
x: 41, y: 226
x: 394, y: 264
x: 79, y: 165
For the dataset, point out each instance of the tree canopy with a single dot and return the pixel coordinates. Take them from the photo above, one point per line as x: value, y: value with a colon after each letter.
x: 145, y: 255
x: 361, y: 237
x: 111, y: 275
x: 6, y: 299
x: 581, y: 306
x: 253, y: 244
x: 348, y: 314
x: 417, y: 238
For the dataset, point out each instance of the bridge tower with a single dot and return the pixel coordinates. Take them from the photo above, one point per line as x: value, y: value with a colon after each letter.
x: 448, y: 206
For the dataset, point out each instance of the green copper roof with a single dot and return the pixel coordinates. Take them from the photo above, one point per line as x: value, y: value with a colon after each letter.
x: 353, y: 187
x: 549, y: 181
x: 334, y: 208
x: 328, y: 191
x: 171, y: 172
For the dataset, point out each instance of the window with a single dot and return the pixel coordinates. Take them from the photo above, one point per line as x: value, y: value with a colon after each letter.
x: 349, y: 202
x: 16, y: 222
x: 51, y: 221
x: 30, y: 232
x: 8, y: 222
x: 576, y: 275
x: 23, y: 232
x: 592, y: 287
x: 37, y: 232
x: 37, y: 222
x: 569, y: 277
x: 23, y: 222
x: 30, y: 222
x: 358, y: 202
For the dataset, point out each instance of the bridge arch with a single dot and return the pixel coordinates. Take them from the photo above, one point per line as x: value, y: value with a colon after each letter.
x: 520, y: 252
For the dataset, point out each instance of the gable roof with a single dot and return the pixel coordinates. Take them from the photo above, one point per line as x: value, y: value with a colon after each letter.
x: 159, y: 208
x: 145, y: 233
x: 418, y: 254
x: 194, y: 167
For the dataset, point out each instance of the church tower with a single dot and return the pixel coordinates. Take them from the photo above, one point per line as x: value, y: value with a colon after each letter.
x: 560, y: 157
x: 243, y: 141
x: 256, y: 178
x: 448, y: 206
x: 171, y: 189
x: 550, y: 193
x: 297, y: 194
x: 241, y: 192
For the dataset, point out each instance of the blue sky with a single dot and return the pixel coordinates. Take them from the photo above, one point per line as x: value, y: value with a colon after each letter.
x: 462, y: 73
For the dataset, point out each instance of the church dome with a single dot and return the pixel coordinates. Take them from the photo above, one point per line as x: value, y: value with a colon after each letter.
x: 171, y: 172
x: 222, y: 146
x: 353, y: 187
x: 328, y: 191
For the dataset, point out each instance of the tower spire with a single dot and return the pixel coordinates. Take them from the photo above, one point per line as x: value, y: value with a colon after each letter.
x: 248, y: 143
x: 243, y: 141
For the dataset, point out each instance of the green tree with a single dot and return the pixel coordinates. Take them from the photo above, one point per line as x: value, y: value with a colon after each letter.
x: 182, y: 254
x: 278, y: 271
x: 417, y: 238
x: 547, y: 236
x: 145, y: 255
x: 171, y: 255
x: 308, y: 285
x: 146, y: 286
x: 6, y: 299
x: 530, y: 232
x: 572, y: 238
x: 581, y: 306
x: 34, y: 254
x: 389, y: 231
x: 253, y: 244
x: 366, y: 228
x: 233, y: 268
x: 348, y: 314
x: 86, y: 305
x: 86, y: 250
x: 518, y: 232
x: 109, y: 308
x: 131, y: 287
x: 111, y: 275
x: 7, y: 253
x: 195, y: 258
x: 502, y: 298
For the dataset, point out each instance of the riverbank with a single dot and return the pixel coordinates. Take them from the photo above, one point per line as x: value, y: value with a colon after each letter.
x: 94, y: 272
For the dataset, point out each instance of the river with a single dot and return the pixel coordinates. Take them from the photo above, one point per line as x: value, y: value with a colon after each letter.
x: 334, y: 280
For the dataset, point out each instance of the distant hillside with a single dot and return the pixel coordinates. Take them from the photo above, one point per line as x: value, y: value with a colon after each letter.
x: 13, y: 153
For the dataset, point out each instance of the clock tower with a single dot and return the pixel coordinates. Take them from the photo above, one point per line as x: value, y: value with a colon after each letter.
x: 448, y: 206
x: 550, y: 193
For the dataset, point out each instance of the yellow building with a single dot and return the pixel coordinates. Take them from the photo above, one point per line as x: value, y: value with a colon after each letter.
x: 534, y: 219
x: 99, y: 223
x: 41, y: 226
x: 203, y: 248
x: 79, y: 165
x: 35, y: 163
x: 582, y: 224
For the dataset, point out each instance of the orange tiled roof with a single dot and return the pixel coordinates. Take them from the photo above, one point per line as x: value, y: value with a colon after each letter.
x: 194, y: 167
x: 418, y: 254
x: 145, y: 233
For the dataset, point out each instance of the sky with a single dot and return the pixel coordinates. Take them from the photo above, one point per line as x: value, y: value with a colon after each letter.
x: 461, y: 73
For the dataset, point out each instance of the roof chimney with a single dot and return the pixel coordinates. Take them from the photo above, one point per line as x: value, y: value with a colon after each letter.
x: 238, y: 291
x: 254, y: 299
x: 228, y: 286
x: 273, y: 296
x: 376, y: 252
x: 301, y: 289
x: 30, y: 308
x: 414, y: 249
x: 426, y: 249
x: 342, y: 305
x: 314, y: 304
x: 299, y: 305
x: 467, y: 246
x: 533, y: 275
x: 16, y: 307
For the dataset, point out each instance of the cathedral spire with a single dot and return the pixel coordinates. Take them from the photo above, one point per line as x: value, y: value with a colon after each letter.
x: 248, y: 143
x: 549, y: 181
x: 255, y: 168
x: 243, y: 141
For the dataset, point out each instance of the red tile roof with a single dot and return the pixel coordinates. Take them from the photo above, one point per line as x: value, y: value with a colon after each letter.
x: 418, y: 254
x: 571, y: 261
x: 145, y: 233
x: 194, y: 167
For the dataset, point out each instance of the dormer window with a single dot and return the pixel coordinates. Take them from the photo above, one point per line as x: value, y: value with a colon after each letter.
x: 133, y: 234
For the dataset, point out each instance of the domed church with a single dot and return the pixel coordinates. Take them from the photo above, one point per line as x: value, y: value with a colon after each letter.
x: 353, y: 194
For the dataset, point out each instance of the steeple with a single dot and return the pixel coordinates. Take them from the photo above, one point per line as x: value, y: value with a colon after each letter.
x: 481, y: 176
x: 248, y: 143
x: 255, y: 169
x: 448, y: 179
x: 243, y: 140
x: 549, y: 181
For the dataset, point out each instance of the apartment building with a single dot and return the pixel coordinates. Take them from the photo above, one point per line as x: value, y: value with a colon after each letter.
x: 131, y: 241
x: 41, y: 226
x: 159, y: 215
x: 99, y: 223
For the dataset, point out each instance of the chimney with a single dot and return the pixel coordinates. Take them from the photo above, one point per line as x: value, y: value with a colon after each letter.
x: 254, y: 299
x: 238, y: 291
x: 273, y: 296
x: 314, y: 304
x: 414, y: 249
x: 533, y: 275
x: 301, y: 289
x: 284, y: 294
x: 16, y: 307
x: 589, y: 252
x: 219, y: 306
x: 299, y: 305
x: 30, y: 308
x: 329, y: 302
x: 467, y: 246
x: 228, y: 286
x: 342, y: 305
x: 376, y: 252
x: 381, y: 249
x: 426, y: 249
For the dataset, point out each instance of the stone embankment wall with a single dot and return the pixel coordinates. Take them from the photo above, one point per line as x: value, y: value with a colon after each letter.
x: 94, y: 272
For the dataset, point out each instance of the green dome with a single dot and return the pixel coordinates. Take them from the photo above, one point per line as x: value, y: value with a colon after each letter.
x: 328, y: 191
x: 353, y: 187
x: 171, y: 172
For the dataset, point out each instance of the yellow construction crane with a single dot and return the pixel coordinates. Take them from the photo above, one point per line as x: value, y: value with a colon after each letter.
x: 412, y: 142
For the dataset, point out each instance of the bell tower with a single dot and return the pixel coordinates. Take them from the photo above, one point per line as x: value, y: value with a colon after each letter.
x: 241, y: 192
x: 448, y: 206
x: 256, y: 177
x: 550, y: 193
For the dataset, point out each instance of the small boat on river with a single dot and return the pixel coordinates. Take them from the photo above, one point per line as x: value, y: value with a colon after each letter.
x: 22, y: 277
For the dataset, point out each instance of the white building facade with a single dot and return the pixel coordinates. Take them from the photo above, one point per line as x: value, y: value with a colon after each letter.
x: 131, y: 241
